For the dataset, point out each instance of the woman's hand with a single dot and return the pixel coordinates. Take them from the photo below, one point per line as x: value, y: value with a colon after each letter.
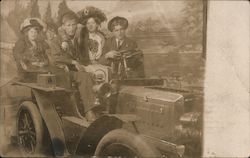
x: 38, y: 64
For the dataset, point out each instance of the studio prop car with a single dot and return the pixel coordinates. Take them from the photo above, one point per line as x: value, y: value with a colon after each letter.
x: 140, y: 117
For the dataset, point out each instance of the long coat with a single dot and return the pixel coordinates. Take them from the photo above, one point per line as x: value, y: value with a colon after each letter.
x: 25, y: 53
x: 61, y: 57
x: 84, y: 79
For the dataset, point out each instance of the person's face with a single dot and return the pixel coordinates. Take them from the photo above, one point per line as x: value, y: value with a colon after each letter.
x: 92, y: 25
x: 119, y: 32
x: 50, y: 34
x: 32, y: 34
x: 70, y: 27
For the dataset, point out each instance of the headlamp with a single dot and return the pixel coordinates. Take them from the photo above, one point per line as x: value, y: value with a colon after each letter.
x: 100, y: 76
x: 103, y: 90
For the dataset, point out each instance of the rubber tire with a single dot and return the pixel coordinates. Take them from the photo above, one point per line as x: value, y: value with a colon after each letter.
x: 37, y: 121
x: 121, y: 136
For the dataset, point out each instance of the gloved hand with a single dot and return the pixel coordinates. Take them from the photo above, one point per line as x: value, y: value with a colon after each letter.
x: 65, y: 46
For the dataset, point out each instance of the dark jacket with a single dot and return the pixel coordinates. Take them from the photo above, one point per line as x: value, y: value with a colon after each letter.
x: 24, y: 52
x: 61, y: 57
x: 111, y: 44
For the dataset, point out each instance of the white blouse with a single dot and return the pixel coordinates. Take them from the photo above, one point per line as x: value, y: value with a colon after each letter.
x: 95, y: 46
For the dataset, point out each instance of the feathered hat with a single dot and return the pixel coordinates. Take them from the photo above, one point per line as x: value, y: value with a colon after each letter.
x: 31, y: 22
x: 89, y: 12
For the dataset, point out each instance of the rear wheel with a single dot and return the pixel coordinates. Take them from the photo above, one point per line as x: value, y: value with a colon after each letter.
x: 122, y: 143
x: 29, y: 128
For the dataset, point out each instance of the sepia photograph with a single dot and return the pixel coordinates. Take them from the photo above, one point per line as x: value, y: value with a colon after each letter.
x: 102, y: 78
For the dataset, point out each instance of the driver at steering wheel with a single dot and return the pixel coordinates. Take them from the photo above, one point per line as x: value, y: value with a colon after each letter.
x: 117, y: 43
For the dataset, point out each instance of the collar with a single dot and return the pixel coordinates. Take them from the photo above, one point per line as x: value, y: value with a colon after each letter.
x: 117, y: 40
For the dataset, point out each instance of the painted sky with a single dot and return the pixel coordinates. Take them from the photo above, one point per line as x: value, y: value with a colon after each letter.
x: 129, y: 9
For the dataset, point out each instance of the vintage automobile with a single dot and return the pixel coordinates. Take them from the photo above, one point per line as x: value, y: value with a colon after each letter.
x: 140, y: 117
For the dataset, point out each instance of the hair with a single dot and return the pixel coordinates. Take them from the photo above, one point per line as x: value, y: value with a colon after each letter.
x: 97, y: 20
x: 51, y: 27
x: 25, y: 31
x: 69, y: 16
x: 118, y: 22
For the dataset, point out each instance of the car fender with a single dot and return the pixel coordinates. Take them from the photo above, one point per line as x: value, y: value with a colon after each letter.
x: 94, y: 133
x: 52, y: 121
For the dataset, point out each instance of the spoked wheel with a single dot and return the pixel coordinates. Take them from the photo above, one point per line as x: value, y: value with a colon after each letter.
x: 120, y: 143
x: 29, y: 128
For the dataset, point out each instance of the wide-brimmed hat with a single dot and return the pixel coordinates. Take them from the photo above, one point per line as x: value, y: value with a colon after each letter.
x: 89, y: 12
x: 31, y: 22
x: 117, y: 21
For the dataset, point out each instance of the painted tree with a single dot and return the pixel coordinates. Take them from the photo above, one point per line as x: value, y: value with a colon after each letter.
x: 192, y: 23
x: 62, y: 9
x: 47, y: 18
x: 17, y: 16
x: 35, y: 9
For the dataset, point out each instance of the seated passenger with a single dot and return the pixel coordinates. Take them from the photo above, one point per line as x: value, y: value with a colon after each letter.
x: 91, y: 39
x: 29, y: 50
x: 71, y: 56
x: 120, y: 42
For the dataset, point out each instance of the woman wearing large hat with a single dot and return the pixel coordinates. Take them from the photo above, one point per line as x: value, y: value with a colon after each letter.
x: 29, y: 50
x: 91, y: 38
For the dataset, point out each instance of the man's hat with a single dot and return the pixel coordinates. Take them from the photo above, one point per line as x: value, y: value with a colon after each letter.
x: 89, y: 12
x: 31, y: 22
x: 117, y: 21
x: 67, y: 13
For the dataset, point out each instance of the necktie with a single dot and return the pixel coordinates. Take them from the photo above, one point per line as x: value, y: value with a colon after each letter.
x: 119, y: 43
x: 72, y: 49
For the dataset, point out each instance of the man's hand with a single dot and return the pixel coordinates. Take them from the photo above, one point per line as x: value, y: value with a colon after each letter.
x: 74, y: 62
x: 65, y: 46
x: 38, y: 64
x: 78, y: 65
x: 112, y: 55
x: 24, y: 66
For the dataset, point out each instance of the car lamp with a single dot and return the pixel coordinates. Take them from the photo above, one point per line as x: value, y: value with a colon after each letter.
x: 102, y: 90
x: 100, y: 76
x: 191, y: 118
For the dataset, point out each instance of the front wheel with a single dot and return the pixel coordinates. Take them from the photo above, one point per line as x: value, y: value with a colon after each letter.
x: 124, y: 144
x: 29, y: 128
